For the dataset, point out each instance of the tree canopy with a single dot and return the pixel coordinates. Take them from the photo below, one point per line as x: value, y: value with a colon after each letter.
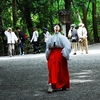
x: 44, y: 13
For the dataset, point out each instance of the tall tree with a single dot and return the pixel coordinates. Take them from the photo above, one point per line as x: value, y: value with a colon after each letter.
x: 14, y: 11
x: 27, y: 16
x: 94, y: 17
x: 68, y: 8
x: 3, y: 37
x: 25, y: 9
x: 84, y: 10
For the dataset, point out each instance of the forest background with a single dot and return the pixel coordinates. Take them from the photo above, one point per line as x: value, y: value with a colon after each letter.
x: 44, y: 13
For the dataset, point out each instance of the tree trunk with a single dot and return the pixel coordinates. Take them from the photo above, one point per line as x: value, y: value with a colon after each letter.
x: 14, y: 10
x: 95, y: 30
x: 85, y: 20
x: 67, y: 7
x: 27, y: 15
x: 3, y: 43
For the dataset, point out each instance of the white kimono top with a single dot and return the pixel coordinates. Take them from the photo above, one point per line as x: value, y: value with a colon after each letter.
x: 60, y: 41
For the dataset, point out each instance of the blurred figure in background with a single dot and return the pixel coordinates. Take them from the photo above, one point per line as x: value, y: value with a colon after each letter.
x: 82, y: 34
x: 11, y: 39
x: 73, y: 35
x: 20, y: 40
x: 46, y: 35
x: 35, y: 41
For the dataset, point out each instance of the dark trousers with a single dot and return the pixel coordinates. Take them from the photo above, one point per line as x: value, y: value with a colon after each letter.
x: 21, y: 48
x: 36, y: 47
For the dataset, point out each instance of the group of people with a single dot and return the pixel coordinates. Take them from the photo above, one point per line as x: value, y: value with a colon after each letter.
x: 58, y: 49
x: 78, y: 37
x: 35, y: 38
x: 57, y: 53
x: 12, y: 38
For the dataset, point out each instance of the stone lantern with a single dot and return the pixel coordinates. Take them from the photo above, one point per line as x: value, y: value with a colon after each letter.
x: 64, y: 17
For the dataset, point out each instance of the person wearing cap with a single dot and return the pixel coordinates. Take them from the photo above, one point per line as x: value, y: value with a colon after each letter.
x: 83, y: 42
x: 46, y: 35
x: 11, y: 39
x: 72, y: 34
x: 58, y: 50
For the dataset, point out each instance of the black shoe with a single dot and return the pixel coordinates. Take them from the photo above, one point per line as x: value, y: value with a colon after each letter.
x: 63, y: 89
x: 74, y: 53
x: 34, y: 52
x: 39, y: 51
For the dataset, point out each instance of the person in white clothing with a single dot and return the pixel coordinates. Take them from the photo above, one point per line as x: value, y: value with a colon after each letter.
x: 57, y: 54
x: 11, y: 39
x: 46, y: 35
x: 35, y: 41
x: 82, y: 35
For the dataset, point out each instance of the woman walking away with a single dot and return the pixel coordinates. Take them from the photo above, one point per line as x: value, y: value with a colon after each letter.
x: 58, y: 49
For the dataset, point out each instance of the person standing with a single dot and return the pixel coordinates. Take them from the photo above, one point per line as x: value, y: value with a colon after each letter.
x: 82, y: 34
x: 35, y: 41
x: 21, y: 40
x: 46, y: 35
x: 11, y: 39
x: 74, y: 38
x: 57, y: 53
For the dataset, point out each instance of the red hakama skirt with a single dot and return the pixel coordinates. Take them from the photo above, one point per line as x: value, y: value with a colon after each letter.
x: 58, y: 70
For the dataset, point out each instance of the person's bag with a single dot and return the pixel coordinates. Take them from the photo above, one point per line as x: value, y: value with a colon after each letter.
x: 73, y: 39
x: 80, y: 40
x: 25, y: 36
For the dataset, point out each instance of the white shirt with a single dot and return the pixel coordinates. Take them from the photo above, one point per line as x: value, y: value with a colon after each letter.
x: 82, y: 32
x: 11, y: 37
x: 35, y: 36
x: 46, y: 36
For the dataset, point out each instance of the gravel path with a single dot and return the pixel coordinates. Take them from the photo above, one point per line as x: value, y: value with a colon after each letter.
x: 25, y: 77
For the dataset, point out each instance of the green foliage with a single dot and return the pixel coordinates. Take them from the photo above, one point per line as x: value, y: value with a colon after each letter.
x: 44, y: 13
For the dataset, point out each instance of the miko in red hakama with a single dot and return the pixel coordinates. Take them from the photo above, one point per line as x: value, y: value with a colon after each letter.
x: 58, y: 70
